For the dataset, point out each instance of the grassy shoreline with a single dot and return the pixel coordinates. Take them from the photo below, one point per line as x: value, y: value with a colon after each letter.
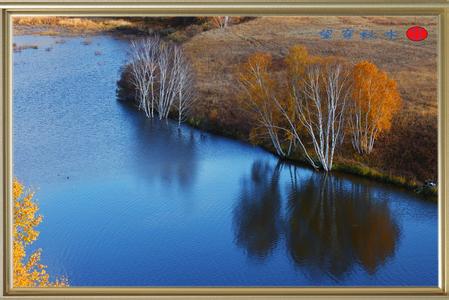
x: 345, y: 167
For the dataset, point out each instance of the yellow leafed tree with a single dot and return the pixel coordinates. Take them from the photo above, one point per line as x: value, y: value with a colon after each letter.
x: 262, y: 97
x: 27, y: 270
x: 375, y: 100
x: 297, y: 60
x: 319, y: 88
x: 302, y: 106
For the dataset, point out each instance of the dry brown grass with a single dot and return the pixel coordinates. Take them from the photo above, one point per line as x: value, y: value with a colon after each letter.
x: 408, y: 150
x: 75, y: 25
x: 98, y: 23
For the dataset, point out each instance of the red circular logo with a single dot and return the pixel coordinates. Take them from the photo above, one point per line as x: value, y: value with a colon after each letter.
x: 417, y: 33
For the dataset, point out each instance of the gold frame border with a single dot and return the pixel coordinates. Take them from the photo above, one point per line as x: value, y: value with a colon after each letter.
x: 214, y: 7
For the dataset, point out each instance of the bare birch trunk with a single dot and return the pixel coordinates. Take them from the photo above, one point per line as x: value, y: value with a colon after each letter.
x: 320, y: 106
x: 162, y: 77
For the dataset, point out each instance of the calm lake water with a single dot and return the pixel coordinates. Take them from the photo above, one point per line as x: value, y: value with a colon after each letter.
x: 131, y: 202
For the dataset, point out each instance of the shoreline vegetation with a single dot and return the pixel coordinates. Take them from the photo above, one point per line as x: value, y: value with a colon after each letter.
x: 429, y: 192
x: 175, y: 29
x: 218, y: 114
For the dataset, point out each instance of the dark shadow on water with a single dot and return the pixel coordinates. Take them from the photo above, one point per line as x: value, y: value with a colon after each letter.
x: 257, y: 215
x: 162, y: 149
x: 331, y: 225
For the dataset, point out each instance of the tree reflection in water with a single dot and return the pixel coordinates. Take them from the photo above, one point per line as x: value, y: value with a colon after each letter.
x: 155, y: 141
x: 331, y: 225
x: 257, y: 216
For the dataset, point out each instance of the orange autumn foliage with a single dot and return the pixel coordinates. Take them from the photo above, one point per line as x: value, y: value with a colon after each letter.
x: 273, y: 97
x: 375, y: 100
x: 288, y: 100
x: 27, y: 270
x: 262, y: 98
x: 259, y: 86
x: 297, y: 60
x: 255, y: 73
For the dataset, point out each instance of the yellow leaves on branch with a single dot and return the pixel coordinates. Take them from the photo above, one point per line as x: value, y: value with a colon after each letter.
x: 297, y: 60
x: 376, y: 94
x: 259, y: 88
x: 375, y: 100
x: 25, y: 218
x: 255, y: 77
x: 27, y: 270
x: 262, y: 96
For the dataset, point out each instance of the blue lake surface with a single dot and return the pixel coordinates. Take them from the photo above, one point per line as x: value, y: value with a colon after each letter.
x: 131, y: 202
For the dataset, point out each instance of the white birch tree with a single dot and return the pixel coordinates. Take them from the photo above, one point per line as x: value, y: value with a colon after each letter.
x: 260, y: 98
x: 375, y: 100
x: 221, y: 21
x: 186, y: 96
x: 145, y: 53
x: 319, y: 101
x: 139, y: 74
x: 162, y: 77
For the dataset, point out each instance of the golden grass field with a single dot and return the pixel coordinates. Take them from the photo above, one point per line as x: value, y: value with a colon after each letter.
x: 409, y: 150
x: 57, y: 25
